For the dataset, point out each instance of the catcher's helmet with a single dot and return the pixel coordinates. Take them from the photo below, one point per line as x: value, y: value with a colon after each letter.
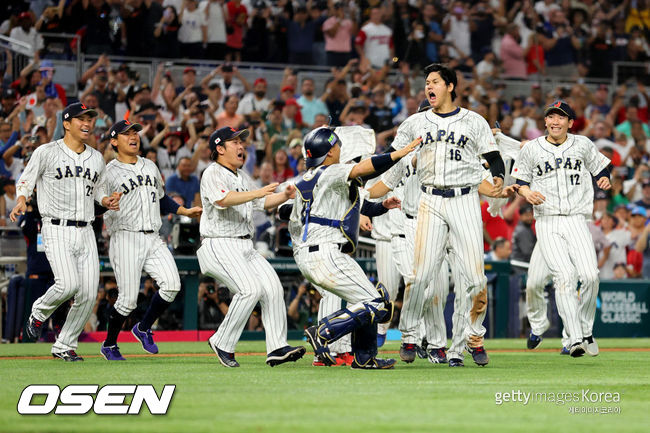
x: 316, y: 145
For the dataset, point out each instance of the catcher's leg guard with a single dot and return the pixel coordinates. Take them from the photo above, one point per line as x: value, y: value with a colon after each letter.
x: 346, y: 320
x: 385, y: 314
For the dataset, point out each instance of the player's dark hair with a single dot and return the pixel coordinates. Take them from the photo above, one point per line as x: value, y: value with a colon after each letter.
x: 448, y: 75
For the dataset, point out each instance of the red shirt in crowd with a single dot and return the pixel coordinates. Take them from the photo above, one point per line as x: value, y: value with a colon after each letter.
x: 235, y: 39
x: 496, y: 226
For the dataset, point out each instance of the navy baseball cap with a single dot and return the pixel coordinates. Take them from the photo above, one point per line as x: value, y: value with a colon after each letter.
x: 121, y: 127
x: 221, y: 135
x: 77, y: 109
x: 560, y: 107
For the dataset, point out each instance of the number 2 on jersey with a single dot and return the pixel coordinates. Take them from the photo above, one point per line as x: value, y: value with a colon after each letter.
x: 153, y: 197
x: 89, y: 190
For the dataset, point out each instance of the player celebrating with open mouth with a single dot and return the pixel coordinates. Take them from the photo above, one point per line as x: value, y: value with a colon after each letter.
x: 554, y: 173
x: 135, y: 241
x: 453, y: 141
x: 228, y: 255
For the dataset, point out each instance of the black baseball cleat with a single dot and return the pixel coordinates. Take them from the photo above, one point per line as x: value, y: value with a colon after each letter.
x: 320, y: 349
x: 421, y: 352
x: 533, y: 341
x: 456, y: 362
x: 577, y: 350
x: 34, y: 328
x: 479, y: 355
x: 68, y: 356
x: 373, y: 364
x: 438, y: 356
x: 285, y: 354
x: 407, y: 352
x: 225, y: 358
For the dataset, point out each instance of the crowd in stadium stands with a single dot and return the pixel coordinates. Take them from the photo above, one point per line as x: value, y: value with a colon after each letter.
x: 375, y: 49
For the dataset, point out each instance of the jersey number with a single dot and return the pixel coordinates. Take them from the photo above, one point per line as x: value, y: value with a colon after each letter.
x: 153, y: 197
x: 575, y: 179
x: 89, y: 190
x: 454, y: 154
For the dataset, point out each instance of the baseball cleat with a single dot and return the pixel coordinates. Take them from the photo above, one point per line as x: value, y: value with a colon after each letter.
x: 226, y: 359
x: 564, y: 351
x: 479, y: 355
x: 146, y: 338
x: 407, y: 352
x: 456, y: 362
x: 373, y: 364
x: 437, y: 356
x: 111, y: 353
x: 533, y: 341
x: 590, y: 345
x: 381, y: 339
x: 34, y: 328
x: 68, y: 356
x: 320, y: 349
x: 577, y: 350
x: 285, y: 354
x: 421, y: 352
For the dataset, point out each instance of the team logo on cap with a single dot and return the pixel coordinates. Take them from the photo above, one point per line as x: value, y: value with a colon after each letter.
x: 126, y: 122
x: 233, y: 129
x: 308, y: 152
x: 83, y: 107
x: 557, y: 104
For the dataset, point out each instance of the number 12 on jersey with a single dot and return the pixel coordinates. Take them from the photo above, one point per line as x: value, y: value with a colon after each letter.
x: 575, y: 179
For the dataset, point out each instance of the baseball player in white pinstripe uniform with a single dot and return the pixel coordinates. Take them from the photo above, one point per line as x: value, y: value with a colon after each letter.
x: 135, y: 242
x: 69, y: 175
x: 228, y: 255
x: 554, y: 173
x: 449, y: 169
x: 324, y: 227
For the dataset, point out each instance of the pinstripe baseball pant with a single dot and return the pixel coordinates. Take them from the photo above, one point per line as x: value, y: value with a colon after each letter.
x: 457, y: 220
x: 389, y: 257
x: 130, y: 253
x: 539, y: 275
x: 568, y: 250
x: 72, y: 253
x: 338, y: 273
x: 250, y: 278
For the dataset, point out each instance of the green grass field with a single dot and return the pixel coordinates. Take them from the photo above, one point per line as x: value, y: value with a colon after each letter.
x: 300, y: 398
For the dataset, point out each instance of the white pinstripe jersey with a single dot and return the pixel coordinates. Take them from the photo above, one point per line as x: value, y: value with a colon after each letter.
x: 403, y: 177
x: 68, y: 183
x: 141, y: 186
x: 381, y: 229
x: 451, y: 146
x: 331, y: 199
x: 226, y: 222
x: 561, y: 173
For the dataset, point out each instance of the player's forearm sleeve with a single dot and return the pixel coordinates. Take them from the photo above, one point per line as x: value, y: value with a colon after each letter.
x: 603, y: 173
x: 100, y: 210
x: 284, y: 212
x: 523, y: 183
x: 371, y: 209
x: 167, y: 205
x: 497, y: 167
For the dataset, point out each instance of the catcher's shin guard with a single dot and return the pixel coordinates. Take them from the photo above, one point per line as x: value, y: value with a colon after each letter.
x: 345, y: 320
x: 385, y: 314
